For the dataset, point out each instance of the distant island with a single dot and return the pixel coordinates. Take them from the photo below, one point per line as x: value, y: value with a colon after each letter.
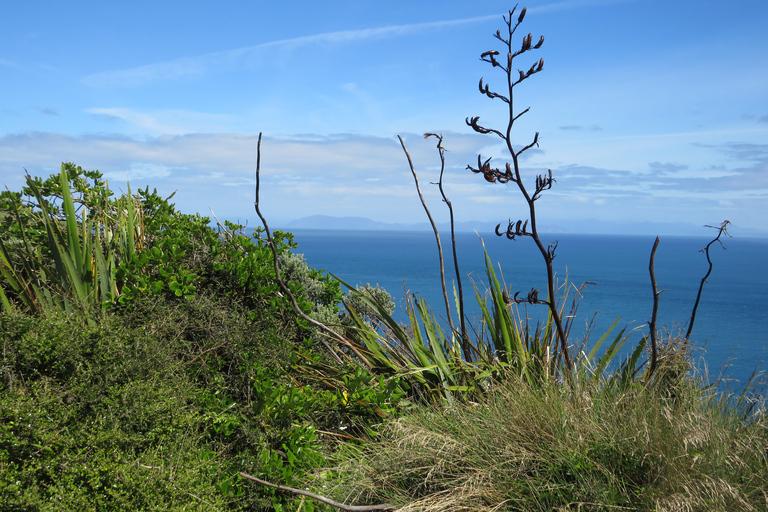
x: 591, y: 226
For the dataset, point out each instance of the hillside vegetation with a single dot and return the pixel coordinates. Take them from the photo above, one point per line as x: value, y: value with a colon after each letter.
x: 197, y: 369
x: 152, y: 361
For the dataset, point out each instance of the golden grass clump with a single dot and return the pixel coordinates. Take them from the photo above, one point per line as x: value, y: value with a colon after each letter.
x: 552, y: 447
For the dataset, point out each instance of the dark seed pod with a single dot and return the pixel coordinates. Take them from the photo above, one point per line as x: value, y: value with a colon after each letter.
x: 522, y: 15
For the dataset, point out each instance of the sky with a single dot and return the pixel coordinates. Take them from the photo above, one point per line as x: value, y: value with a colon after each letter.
x: 650, y: 112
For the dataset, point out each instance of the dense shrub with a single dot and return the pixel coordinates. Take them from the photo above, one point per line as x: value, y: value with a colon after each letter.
x: 195, y: 370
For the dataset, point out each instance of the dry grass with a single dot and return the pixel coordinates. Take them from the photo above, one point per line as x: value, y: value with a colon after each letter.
x: 551, y: 448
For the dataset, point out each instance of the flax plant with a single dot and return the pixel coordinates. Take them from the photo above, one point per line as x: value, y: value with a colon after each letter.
x: 73, y: 270
x: 421, y: 352
x: 512, y: 173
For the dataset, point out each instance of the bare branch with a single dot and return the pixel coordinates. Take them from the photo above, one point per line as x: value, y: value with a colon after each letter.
x: 328, y: 501
x: 722, y: 229
x: 434, y: 228
x: 652, y: 323
x: 335, y: 335
x: 490, y: 93
x: 481, y: 129
x: 535, y: 137
x: 466, y: 344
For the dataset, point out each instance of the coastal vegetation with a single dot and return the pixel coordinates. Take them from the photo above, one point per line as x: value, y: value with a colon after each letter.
x: 155, y: 360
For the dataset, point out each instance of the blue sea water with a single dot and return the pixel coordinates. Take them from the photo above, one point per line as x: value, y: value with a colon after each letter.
x: 731, y: 322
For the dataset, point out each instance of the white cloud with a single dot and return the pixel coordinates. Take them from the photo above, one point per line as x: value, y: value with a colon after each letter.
x: 369, y: 176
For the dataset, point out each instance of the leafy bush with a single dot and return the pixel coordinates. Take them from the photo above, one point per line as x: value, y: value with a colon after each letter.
x: 190, y: 371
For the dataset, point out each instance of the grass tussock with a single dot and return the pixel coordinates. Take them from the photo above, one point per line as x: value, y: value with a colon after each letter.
x: 555, y: 448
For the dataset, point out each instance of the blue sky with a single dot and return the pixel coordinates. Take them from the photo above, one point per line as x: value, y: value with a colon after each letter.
x: 649, y: 111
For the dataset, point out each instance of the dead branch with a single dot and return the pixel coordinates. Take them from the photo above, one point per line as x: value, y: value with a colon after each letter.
x: 723, y: 228
x: 333, y: 334
x: 342, y: 506
x: 466, y: 345
x: 652, y: 323
x: 437, y: 235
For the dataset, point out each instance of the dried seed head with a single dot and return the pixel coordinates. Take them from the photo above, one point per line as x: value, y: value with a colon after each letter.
x: 522, y: 15
x: 541, y: 41
x: 541, y: 65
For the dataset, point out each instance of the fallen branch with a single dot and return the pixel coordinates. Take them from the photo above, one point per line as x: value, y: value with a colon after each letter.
x: 342, y: 506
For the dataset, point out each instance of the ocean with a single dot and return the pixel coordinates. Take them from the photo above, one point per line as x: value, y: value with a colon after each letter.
x: 731, y: 321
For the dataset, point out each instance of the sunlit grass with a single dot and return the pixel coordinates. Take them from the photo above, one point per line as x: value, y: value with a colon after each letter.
x: 554, y: 447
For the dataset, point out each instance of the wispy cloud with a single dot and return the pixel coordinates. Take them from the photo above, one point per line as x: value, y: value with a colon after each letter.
x: 576, y: 4
x: 579, y: 128
x: 48, y: 111
x: 8, y: 63
x: 167, y: 122
x: 208, y: 62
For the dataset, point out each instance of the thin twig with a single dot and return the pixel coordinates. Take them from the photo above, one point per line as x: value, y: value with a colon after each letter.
x: 652, y: 323
x: 466, y: 346
x: 338, y: 337
x: 342, y: 506
x: 722, y: 229
x: 198, y: 356
x: 437, y: 236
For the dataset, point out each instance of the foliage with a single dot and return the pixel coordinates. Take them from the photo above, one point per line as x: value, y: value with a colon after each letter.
x: 100, y: 420
x: 191, y: 370
x: 160, y: 407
